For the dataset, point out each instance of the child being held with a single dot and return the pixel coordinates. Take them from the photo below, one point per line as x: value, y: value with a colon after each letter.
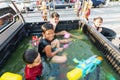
x: 33, y: 69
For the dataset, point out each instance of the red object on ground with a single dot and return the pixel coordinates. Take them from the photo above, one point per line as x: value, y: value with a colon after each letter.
x: 35, y: 40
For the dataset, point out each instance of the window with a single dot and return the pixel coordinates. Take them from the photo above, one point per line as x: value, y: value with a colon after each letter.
x: 5, y: 20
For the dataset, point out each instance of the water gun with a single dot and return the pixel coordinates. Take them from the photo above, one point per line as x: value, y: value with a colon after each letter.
x: 10, y: 76
x: 84, y: 67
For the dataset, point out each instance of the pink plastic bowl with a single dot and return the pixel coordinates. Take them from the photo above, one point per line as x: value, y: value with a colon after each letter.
x: 66, y: 35
x: 65, y: 46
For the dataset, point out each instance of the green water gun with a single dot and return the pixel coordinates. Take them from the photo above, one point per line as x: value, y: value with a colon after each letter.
x: 84, y: 67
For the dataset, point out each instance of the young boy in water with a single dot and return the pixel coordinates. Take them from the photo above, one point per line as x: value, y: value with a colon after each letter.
x: 33, y: 69
x: 48, y: 43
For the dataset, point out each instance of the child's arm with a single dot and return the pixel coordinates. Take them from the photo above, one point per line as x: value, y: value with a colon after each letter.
x: 49, y: 53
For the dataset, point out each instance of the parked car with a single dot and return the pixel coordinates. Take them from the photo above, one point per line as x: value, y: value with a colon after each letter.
x: 98, y: 3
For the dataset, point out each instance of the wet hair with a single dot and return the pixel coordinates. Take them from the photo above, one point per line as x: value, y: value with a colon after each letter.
x: 47, y: 26
x: 55, y: 14
x: 100, y: 18
x: 29, y: 56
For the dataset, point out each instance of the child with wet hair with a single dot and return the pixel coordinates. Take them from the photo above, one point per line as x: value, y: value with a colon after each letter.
x: 33, y: 69
x: 97, y: 22
x: 54, y: 21
x: 49, y: 47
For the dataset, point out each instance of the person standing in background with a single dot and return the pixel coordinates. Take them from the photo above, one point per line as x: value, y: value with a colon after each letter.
x: 43, y: 9
x: 77, y: 7
x: 85, y: 9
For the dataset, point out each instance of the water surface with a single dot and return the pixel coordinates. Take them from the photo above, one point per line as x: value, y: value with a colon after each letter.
x: 81, y: 48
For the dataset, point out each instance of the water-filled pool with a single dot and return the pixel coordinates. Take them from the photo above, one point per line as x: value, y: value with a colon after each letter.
x: 79, y: 48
